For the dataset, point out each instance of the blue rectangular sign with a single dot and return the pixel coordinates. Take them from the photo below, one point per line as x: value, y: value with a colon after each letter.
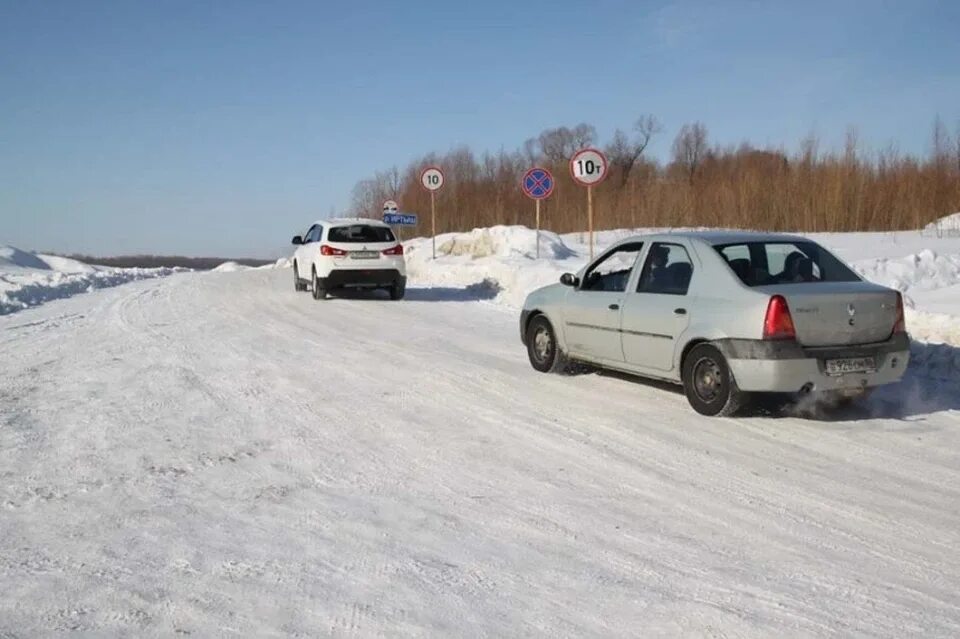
x: 400, y: 219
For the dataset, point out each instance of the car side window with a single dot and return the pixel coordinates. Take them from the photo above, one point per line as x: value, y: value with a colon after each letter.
x: 313, y: 235
x: 612, y: 272
x: 667, y: 271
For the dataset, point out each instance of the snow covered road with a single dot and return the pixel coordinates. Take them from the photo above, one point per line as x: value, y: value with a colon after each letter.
x: 214, y: 455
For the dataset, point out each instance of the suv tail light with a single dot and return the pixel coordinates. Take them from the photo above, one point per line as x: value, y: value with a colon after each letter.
x: 778, y: 324
x: 328, y: 250
x: 900, y: 325
x: 396, y: 250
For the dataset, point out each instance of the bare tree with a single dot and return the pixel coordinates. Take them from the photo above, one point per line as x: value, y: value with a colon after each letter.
x: 558, y: 145
x: 690, y: 148
x: 623, y: 152
x: 941, y: 143
x: 583, y: 136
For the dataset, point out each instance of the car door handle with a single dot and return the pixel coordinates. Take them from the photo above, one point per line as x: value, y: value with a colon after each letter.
x: 614, y: 307
x: 680, y: 311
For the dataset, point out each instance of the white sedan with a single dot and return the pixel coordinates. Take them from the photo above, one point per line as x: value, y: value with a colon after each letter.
x: 725, y: 314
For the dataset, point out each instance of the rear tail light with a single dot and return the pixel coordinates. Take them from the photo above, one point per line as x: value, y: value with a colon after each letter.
x: 900, y: 325
x: 396, y: 250
x: 330, y: 251
x: 778, y: 324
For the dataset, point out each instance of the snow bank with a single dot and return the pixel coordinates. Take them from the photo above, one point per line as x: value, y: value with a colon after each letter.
x: 500, y: 259
x: 923, y: 271
x: 949, y: 225
x: 13, y: 258
x: 230, y: 267
x: 29, y: 279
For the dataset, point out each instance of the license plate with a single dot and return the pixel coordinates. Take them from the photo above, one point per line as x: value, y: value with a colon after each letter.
x: 364, y: 255
x: 851, y: 365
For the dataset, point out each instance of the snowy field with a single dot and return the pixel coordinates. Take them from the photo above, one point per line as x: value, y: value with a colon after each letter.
x: 212, y: 454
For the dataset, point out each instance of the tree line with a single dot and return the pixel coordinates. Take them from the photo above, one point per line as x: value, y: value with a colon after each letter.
x: 701, y: 185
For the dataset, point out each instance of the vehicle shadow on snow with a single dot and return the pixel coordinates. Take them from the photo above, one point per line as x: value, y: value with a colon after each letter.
x: 930, y: 385
x: 486, y: 290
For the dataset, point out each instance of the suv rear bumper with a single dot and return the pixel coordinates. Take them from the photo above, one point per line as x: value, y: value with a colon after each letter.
x: 363, y: 278
x: 786, y: 366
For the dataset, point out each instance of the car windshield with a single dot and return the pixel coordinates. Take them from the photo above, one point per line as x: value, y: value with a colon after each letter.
x: 356, y: 233
x: 784, y: 262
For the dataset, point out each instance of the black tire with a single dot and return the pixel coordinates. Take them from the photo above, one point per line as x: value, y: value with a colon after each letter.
x: 709, y: 383
x: 545, y: 356
x: 397, y: 291
x: 298, y: 284
x: 319, y: 293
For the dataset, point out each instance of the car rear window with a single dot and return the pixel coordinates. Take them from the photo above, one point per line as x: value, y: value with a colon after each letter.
x: 356, y: 233
x: 765, y: 263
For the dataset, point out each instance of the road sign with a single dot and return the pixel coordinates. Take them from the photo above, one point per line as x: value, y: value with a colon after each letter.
x: 431, y: 179
x: 588, y: 167
x: 399, y: 219
x: 390, y: 207
x: 537, y: 183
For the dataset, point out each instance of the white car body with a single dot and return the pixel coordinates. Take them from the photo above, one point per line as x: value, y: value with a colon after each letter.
x: 349, y: 253
x: 847, y: 335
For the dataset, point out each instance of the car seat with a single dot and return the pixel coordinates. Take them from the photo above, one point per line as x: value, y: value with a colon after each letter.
x: 742, y: 268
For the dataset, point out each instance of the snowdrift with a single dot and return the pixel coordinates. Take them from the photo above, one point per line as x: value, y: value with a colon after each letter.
x: 29, y: 279
x: 230, y: 267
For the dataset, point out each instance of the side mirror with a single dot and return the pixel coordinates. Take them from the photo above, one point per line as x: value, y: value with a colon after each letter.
x: 297, y: 239
x: 569, y: 279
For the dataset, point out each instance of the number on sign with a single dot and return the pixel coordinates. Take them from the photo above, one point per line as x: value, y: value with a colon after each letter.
x: 588, y: 167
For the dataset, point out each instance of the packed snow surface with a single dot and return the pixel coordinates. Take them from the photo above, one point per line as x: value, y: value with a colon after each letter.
x: 216, y: 455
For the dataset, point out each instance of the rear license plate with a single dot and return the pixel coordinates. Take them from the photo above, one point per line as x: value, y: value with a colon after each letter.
x: 851, y: 365
x: 364, y: 255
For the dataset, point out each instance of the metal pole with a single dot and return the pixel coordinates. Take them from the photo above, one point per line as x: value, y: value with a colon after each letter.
x: 590, y: 217
x: 538, y: 229
x: 433, y: 224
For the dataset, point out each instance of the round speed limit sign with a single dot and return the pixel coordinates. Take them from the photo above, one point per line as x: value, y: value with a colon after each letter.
x: 432, y: 178
x: 588, y: 167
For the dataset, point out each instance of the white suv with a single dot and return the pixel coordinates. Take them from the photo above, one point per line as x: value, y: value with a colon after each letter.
x: 357, y: 253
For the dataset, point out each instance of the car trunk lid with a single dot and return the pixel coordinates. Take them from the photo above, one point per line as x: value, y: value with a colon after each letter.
x: 839, y: 313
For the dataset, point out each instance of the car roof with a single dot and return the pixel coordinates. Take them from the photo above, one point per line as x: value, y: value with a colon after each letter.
x: 716, y: 238
x: 344, y: 221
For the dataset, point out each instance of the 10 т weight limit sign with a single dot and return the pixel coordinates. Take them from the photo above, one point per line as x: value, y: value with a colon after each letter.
x: 588, y: 167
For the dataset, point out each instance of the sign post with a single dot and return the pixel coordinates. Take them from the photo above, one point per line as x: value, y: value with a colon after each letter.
x: 537, y: 184
x: 432, y: 180
x: 588, y: 167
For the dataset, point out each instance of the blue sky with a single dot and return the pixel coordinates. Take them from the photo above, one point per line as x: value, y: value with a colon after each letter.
x: 220, y: 128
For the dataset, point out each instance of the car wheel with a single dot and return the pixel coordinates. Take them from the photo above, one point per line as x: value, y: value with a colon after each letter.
x: 709, y: 383
x: 298, y: 286
x: 319, y: 293
x: 542, y: 349
x: 397, y: 291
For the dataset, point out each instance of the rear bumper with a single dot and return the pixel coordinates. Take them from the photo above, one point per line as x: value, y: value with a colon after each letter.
x: 786, y: 366
x: 363, y: 278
